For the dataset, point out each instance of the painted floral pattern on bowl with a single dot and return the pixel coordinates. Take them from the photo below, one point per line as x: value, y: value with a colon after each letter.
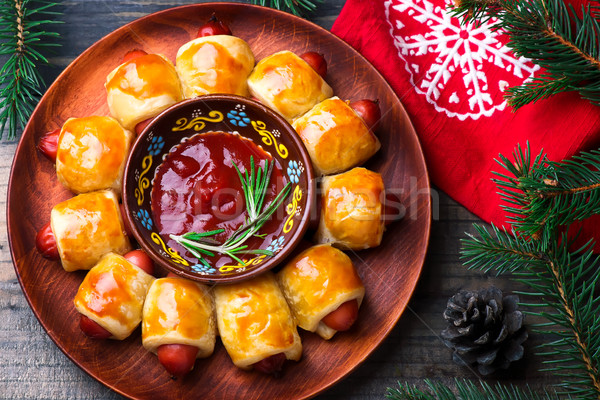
x: 217, y: 113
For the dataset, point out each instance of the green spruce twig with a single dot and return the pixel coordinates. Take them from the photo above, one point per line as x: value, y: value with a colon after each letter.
x: 552, y: 35
x: 23, y: 41
x: 543, y: 195
x: 296, y: 7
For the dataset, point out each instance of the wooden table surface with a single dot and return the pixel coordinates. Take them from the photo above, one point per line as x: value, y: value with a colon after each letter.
x: 32, y: 367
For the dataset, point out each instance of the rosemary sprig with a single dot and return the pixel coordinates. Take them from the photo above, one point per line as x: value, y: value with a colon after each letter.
x: 255, y: 187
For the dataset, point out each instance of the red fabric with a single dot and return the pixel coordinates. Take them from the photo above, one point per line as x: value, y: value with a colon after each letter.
x: 437, y: 70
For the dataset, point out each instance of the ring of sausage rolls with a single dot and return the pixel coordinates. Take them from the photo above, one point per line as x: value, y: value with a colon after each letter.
x: 323, y: 290
x: 141, y: 87
x: 255, y: 324
x: 111, y: 296
x: 178, y: 323
x: 335, y: 136
x: 352, y: 206
x: 82, y: 229
x: 287, y: 84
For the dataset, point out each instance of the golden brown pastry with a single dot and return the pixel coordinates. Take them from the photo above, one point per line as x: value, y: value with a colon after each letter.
x: 316, y: 283
x: 351, y: 210
x: 335, y: 136
x: 112, y: 295
x: 179, y: 311
x: 287, y: 84
x: 214, y: 64
x: 91, y: 154
x: 141, y: 88
x: 255, y: 321
x: 86, y: 227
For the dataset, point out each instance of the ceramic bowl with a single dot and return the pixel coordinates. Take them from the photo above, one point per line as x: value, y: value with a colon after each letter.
x: 218, y: 113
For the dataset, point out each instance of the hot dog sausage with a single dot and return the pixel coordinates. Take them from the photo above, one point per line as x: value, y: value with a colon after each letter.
x: 271, y: 365
x: 133, y: 54
x: 49, y: 144
x: 140, y: 259
x: 369, y: 111
x: 178, y: 359
x: 141, y: 125
x: 343, y: 317
x: 316, y: 61
x: 45, y: 243
x: 214, y: 26
x: 92, y: 329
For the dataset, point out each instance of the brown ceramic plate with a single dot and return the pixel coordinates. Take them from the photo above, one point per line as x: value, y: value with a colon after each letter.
x: 390, y: 272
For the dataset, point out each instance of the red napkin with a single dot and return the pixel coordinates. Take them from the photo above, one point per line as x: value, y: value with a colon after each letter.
x: 450, y: 80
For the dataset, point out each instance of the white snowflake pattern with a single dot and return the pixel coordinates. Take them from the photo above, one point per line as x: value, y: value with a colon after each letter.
x: 448, y: 56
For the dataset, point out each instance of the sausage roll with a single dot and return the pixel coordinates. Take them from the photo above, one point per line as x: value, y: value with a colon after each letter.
x: 351, y: 210
x: 86, y: 227
x: 141, y: 88
x: 317, y: 282
x: 91, y: 154
x: 287, y: 84
x: 255, y: 321
x: 336, y: 138
x: 112, y: 294
x: 214, y: 64
x: 179, y: 311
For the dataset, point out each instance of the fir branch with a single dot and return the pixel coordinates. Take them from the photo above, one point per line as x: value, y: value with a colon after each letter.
x: 537, y: 89
x: 500, y: 251
x: 567, y: 282
x: 551, y: 35
x: 24, y: 41
x: 296, y: 7
x: 465, y: 390
x: 544, y: 195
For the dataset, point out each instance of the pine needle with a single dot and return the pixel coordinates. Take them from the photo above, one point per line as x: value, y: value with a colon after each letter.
x: 552, y: 35
x: 296, y: 7
x: 465, y: 390
x: 24, y: 42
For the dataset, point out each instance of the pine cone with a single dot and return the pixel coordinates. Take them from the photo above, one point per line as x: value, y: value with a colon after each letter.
x: 486, y: 329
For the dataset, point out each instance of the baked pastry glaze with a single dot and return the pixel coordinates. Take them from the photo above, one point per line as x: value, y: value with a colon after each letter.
x: 336, y: 138
x: 255, y: 322
x: 87, y: 227
x: 287, y: 84
x: 316, y: 282
x: 91, y: 154
x: 351, y: 210
x: 179, y: 311
x: 112, y: 294
x: 141, y: 88
x: 214, y: 64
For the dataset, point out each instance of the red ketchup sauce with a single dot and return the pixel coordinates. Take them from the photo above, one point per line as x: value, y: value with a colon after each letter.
x: 197, y: 189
